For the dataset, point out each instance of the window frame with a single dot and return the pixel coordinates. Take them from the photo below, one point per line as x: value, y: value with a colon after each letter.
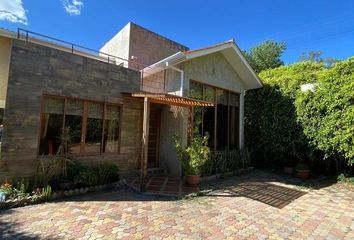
x: 216, y: 88
x: 83, y: 124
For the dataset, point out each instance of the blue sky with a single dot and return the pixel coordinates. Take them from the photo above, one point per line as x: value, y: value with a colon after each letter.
x: 304, y: 25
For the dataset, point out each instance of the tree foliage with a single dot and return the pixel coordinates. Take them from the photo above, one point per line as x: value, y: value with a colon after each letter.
x: 265, y: 56
x: 316, y: 56
x: 327, y: 114
x: 271, y: 121
x: 284, y: 123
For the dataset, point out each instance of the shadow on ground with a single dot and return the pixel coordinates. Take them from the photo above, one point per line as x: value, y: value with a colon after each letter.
x: 273, y: 195
x: 9, y: 230
x: 264, y: 187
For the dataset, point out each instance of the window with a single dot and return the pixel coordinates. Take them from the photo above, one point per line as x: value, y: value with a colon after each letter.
x: 111, y: 129
x: 224, y: 133
x: 51, y: 126
x: 73, y: 122
x: 93, y: 126
x: 1, y: 115
x: 209, y: 115
x: 222, y: 119
x: 234, y: 106
x: 196, y: 92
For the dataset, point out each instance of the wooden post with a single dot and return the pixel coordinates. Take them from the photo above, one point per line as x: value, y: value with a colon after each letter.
x: 145, y: 143
x: 190, y: 124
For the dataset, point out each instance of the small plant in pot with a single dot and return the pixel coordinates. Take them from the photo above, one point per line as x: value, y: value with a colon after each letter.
x: 192, y: 157
x: 302, y: 170
x: 289, y: 164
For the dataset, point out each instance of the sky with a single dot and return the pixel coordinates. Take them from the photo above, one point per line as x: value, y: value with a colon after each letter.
x: 304, y: 25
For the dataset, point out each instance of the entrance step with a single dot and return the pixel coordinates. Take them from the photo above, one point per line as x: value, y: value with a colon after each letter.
x: 155, y: 171
x: 164, y: 186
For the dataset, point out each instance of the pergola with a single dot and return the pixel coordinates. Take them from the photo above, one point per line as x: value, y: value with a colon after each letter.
x: 166, y: 99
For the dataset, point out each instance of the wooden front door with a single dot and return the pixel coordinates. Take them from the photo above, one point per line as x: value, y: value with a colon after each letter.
x: 154, y: 138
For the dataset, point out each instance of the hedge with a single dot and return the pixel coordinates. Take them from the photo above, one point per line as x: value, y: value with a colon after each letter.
x: 284, y: 126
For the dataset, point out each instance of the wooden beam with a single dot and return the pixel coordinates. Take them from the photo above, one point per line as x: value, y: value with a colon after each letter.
x: 145, y: 143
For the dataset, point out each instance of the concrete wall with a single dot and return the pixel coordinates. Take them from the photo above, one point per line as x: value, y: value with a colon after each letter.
x: 5, y: 53
x: 214, y: 69
x: 35, y: 70
x: 119, y: 45
x: 146, y: 46
x: 150, y: 47
x: 173, y: 121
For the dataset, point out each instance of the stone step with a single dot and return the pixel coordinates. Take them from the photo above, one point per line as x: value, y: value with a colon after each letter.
x: 155, y: 171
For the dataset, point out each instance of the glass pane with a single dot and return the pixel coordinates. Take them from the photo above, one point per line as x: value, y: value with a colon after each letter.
x: 209, y: 115
x: 1, y: 117
x: 233, y: 129
x: 51, y: 126
x: 222, y: 119
x: 73, y: 121
x: 94, y: 127
x: 208, y: 125
x: 234, y: 99
x: 209, y: 93
x: 53, y: 105
x: 111, y: 129
x: 197, y: 120
x: 221, y: 96
x: 196, y: 90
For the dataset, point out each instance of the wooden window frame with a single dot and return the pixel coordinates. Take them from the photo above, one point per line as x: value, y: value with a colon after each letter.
x: 83, y: 124
x: 215, y: 112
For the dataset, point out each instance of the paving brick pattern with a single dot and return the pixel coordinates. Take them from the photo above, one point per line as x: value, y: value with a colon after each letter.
x: 253, y: 206
x: 163, y: 185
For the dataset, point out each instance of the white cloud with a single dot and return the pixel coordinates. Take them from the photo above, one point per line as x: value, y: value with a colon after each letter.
x: 13, y: 11
x: 73, y: 7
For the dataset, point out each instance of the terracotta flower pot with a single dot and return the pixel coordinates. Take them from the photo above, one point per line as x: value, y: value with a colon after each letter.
x: 289, y: 170
x: 303, y: 174
x: 193, y: 180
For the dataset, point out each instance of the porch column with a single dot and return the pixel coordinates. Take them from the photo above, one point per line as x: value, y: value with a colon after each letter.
x: 190, y: 125
x: 145, y: 143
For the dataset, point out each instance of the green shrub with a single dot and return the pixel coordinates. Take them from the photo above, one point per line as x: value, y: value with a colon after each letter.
x: 194, y: 156
x: 12, y: 192
x: 107, y: 173
x: 226, y: 161
x: 284, y: 125
x: 327, y: 114
x: 86, y: 177
x: 342, y: 178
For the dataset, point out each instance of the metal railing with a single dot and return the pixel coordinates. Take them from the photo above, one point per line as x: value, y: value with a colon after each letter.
x: 30, y: 36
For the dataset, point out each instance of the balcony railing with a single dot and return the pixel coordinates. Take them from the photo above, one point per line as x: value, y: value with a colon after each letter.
x: 165, y: 81
x: 45, y: 40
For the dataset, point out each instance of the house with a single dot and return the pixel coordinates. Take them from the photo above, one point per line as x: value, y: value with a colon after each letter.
x: 121, y: 104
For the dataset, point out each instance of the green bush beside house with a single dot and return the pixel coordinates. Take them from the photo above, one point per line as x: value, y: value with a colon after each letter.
x: 284, y: 125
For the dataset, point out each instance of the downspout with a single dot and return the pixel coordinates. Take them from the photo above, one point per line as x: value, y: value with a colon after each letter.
x: 182, y: 76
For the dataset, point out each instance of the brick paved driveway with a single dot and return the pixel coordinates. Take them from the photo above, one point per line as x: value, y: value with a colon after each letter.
x: 257, y: 205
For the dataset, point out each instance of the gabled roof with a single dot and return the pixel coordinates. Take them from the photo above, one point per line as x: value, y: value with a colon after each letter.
x: 231, y: 52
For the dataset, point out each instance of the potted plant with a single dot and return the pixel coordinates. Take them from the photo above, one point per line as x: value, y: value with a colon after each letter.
x: 192, y: 157
x: 289, y: 166
x: 302, y: 170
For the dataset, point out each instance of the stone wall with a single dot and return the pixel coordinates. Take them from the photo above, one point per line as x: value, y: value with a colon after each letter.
x: 5, y: 53
x: 36, y: 70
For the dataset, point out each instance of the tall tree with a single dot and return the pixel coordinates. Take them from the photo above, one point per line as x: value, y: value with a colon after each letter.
x: 316, y: 56
x: 265, y: 55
